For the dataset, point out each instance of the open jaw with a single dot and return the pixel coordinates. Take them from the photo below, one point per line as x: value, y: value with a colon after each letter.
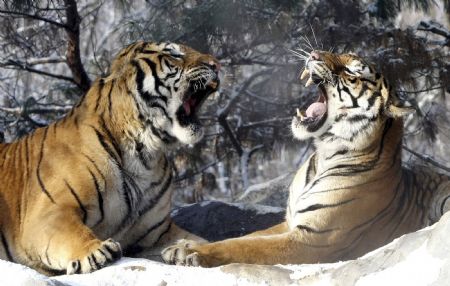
x: 314, y: 116
x: 193, y: 99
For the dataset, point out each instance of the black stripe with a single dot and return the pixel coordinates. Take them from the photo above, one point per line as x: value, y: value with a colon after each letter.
x: 140, y: 149
x: 111, y: 138
x: 97, y: 169
x: 110, y: 99
x: 309, y: 170
x: 127, y: 193
x: 77, y: 198
x: 152, y: 228
x: 148, y: 52
x: 151, y: 204
x: 403, y: 207
x: 163, y: 233
x: 349, y: 71
x: 128, y: 49
x: 140, y: 77
x: 99, y: 196
x: 101, y: 84
x: 159, y: 106
x: 38, y: 173
x: 353, y: 99
x: 380, y: 215
x: 361, y: 117
x: 91, y: 262
x: 443, y: 204
x: 46, y: 254
x: 106, y: 146
x: 340, y: 152
x: 6, y: 247
x: 161, y: 134
x: 313, y: 230
x: 27, y: 151
x: 171, y: 75
x: 353, y: 168
x: 368, y: 80
x: 93, y: 259
x: 372, y: 98
x: 324, y: 206
x: 164, y: 169
x: 363, y: 90
x: 158, y: 82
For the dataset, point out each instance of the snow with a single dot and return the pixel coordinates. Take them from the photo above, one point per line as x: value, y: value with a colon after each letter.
x: 412, y: 270
x: 420, y: 258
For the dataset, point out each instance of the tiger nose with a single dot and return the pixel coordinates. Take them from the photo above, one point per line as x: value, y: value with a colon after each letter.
x: 315, y: 55
x: 214, y: 65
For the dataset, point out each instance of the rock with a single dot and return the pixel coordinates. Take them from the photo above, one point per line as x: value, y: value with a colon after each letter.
x: 274, y: 192
x: 215, y: 220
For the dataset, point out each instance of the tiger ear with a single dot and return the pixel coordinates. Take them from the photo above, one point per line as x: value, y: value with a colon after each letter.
x: 396, y: 111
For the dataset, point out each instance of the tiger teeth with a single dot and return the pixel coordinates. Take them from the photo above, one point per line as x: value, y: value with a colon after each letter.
x: 300, y: 114
x: 309, y: 82
x: 213, y: 84
x: 305, y: 73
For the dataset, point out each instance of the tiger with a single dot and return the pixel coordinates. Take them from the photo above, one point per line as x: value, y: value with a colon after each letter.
x: 81, y: 192
x: 352, y: 195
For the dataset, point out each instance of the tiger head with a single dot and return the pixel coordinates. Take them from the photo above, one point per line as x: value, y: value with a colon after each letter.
x: 353, y: 101
x: 169, y: 82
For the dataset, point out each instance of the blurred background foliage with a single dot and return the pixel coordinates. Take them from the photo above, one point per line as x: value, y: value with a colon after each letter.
x: 249, y: 139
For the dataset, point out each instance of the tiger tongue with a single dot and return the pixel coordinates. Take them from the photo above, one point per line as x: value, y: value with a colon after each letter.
x: 316, y: 109
x: 188, y: 105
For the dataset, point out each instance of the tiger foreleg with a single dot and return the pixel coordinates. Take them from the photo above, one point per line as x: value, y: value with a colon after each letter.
x: 60, y: 241
x: 272, y: 246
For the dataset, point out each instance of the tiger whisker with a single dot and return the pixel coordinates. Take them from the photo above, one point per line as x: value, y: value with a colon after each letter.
x: 299, y: 55
x: 302, y: 50
x: 314, y: 35
x: 307, y: 42
x: 306, y: 46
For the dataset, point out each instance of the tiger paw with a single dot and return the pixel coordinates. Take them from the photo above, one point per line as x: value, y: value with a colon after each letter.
x: 107, y: 252
x: 182, y: 253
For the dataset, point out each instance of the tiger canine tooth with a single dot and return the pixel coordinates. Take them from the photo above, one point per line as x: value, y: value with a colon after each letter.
x: 309, y: 82
x: 305, y: 73
x: 300, y: 114
x: 213, y: 84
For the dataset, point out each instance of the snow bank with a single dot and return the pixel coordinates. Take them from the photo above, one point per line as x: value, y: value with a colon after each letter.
x: 420, y: 258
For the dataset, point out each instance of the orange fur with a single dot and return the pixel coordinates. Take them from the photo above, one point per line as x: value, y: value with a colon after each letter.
x: 77, y: 193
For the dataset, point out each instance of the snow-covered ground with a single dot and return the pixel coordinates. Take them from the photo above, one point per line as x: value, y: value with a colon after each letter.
x: 421, y: 258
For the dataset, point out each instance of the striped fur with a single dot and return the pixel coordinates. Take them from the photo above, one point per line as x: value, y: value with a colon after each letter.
x: 352, y: 195
x: 76, y: 193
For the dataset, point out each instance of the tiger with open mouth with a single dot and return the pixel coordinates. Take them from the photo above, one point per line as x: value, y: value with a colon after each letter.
x: 352, y: 195
x: 76, y: 194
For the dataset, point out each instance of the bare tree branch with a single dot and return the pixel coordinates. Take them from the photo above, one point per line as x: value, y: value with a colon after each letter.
x: 436, y: 29
x: 427, y: 159
x: 35, y: 17
x: 73, y: 46
x: 223, y: 112
x: 19, y: 111
x: 24, y: 66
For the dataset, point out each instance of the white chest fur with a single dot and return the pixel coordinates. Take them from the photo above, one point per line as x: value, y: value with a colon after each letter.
x: 137, y: 198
